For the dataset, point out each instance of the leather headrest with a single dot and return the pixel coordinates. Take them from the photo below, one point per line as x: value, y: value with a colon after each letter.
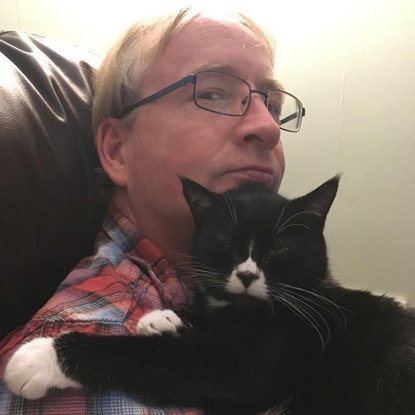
x: 49, y: 209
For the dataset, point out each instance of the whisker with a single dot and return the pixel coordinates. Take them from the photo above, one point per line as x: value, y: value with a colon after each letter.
x: 302, y: 314
x: 281, y: 214
x: 226, y: 222
x: 204, y: 278
x: 310, y: 310
x: 194, y: 264
x: 232, y: 210
x: 288, y: 226
x: 321, y: 298
x: 206, y: 271
x: 225, y: 218
x: 293, y: 307
x: 310, y: 300
x: 293, y: 216
x: 184, y: 255
x: 276, y: 238
x: 270, y: 305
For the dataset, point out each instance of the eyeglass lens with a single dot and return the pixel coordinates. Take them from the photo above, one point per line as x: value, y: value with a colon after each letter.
x: 229, y: 95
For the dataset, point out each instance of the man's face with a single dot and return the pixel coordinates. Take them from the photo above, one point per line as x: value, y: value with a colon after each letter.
x: 172, y: 137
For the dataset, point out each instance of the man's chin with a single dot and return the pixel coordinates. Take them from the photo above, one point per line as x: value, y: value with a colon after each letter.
x: 236, y: 181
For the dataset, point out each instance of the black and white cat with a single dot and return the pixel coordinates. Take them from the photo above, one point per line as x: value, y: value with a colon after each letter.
x: 271, y: 328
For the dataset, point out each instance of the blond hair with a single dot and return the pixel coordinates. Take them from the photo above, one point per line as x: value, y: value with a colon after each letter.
x: 118, y: 80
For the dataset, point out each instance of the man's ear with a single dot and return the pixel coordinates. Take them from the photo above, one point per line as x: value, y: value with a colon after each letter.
x: 110, y: 139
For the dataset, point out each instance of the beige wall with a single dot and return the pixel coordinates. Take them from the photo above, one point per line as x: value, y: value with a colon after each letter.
x: 352, y: 63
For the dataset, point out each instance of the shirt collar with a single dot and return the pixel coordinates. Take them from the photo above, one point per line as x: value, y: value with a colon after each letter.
x: 143, y: 252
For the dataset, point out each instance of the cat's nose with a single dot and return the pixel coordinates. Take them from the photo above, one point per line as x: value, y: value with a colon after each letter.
x: 247, y: 278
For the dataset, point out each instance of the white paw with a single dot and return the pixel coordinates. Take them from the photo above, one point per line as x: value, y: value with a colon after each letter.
x: 157, y: 322
x: 34, y: 368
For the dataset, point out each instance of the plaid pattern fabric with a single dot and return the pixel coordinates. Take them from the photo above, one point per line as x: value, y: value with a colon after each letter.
x: 105, y: 294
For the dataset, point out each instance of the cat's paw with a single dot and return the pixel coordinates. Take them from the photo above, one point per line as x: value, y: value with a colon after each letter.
x: 34, y: 368
x: 159, y: 321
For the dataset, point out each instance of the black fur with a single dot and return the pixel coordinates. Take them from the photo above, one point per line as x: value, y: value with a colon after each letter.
x: 311, y: 346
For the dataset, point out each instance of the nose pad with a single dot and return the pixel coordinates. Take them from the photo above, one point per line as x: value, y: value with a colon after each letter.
x: 247, y: 278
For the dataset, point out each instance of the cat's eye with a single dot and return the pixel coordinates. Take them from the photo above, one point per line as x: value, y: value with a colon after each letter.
x: 222, y: 242
x: 280, y: 251
x: 223, y: 248
x: 283, y: 250
x: 275, y: 255
x: 279, y: 244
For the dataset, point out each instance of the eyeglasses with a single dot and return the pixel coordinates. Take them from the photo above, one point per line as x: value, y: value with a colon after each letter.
x: 226, y: 94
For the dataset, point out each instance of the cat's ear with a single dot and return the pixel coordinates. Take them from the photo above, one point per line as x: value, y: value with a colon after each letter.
x: 199, y: 199
x: 320, y: 200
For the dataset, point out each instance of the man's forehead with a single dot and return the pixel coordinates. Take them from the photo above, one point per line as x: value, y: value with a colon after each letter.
x: 210, y: 45
x: 204, y: 31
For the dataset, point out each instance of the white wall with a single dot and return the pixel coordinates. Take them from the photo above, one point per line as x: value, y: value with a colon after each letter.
x: 352, y: 63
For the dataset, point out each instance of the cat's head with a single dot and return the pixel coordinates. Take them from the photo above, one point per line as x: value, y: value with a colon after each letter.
x: 250, y: 243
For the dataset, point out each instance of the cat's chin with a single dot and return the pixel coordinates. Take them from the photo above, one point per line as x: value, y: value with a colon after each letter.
x: 242, y: 301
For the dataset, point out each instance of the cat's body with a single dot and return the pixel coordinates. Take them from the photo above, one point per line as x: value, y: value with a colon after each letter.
x: 271, y: 328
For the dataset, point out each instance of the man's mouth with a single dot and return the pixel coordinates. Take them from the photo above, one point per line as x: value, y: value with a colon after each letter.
x: 256, y: 174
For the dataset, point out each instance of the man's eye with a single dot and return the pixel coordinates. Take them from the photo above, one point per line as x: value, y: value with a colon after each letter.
x: 275, y: 109
x: 213, y: 95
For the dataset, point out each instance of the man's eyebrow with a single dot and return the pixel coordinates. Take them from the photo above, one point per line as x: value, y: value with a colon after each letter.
x: 215, y: 68
x: 266, y: 84
x: 270, y: 84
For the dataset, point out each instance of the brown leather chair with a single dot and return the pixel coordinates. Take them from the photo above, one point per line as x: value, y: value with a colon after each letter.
x: 50, y: 204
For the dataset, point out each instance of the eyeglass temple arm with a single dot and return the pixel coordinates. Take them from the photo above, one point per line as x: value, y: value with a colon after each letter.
x: 291, y: 117
x: 186, y: 80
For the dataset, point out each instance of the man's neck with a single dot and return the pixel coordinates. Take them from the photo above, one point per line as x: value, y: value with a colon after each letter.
x: 171, y: 235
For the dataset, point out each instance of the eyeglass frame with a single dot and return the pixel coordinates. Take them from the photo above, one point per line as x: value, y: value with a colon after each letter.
x: 192, y: 79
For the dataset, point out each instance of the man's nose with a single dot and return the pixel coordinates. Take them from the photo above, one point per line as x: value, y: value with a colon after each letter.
x: 259, y: 125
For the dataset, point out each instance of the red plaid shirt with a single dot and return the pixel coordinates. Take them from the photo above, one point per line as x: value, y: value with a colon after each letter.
x: 105, y: 294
